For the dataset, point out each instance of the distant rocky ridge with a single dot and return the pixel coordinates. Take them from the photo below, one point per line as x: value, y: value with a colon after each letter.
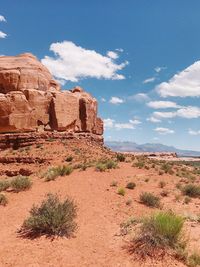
x: 32, y: 101
x: 149, y: 147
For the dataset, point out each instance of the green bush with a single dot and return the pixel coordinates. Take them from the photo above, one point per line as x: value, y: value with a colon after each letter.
x: 167, y: 168
x: 52, y: 217
x: 51, y: 174
x: 106, y: 165
x: 110, y: 164
x: 20, y: 183
x: 65, y: 170
x: 4, y: 185
x: 3, y: 200
x: 54, y: 172
x: 150, y: 200
x: 121, y: 191
x: 191, y: 190
x: 131, y: 185
x: 139, y: 164
x: 161, y: 230
x: 194, y: 260
x: 121, y: 157
x: 101, y: 167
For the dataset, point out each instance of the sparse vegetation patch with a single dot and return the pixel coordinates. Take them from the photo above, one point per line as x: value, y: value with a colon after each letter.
x: 52, y: 217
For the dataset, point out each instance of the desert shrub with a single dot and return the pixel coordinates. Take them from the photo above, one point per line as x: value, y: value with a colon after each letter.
x: 110, y: 164
x: 162, y: 184
x: 54, y: 172
x: 20, y: 183
x: 121, y: 191
x: 106, y: 165
x: 139, y: 164
x: 52, y: 217
x: 161, y: 230
x: 121, y: 157
x: 150, y: 200
x: 167, y: 168
x: 4, y: 185
x: 127, y: 226
x: 69, y: 159
x: 191, y: 190
x: 146, y: 180
x: 3, y: 200
x: 101, y: 167
x: 194, y: 260
x: 131, y: 185
x: 50, y: 174
x: 65, y: 170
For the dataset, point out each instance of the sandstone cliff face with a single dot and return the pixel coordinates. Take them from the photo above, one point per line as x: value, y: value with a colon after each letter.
x: 30, y: 100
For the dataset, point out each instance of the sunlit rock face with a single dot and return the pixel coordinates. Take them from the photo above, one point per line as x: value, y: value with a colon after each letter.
x: 30, y: 100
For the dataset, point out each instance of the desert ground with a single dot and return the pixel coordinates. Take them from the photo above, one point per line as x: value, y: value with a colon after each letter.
x: 101, y: 238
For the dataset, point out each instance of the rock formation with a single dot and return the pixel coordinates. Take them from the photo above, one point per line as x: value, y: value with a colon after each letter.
x: 31, y: 101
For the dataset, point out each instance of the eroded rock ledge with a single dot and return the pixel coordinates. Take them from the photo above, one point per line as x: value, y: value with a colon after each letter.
x: 31, y: 101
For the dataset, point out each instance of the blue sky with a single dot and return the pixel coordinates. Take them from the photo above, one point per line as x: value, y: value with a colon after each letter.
x: 148, y: 85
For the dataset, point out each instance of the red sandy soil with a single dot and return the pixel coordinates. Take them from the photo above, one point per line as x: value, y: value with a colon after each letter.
x: 97, y: 241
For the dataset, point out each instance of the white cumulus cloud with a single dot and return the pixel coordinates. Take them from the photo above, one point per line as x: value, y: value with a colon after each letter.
x: 72, y: 63
x: 3, y: 35
x: 162, y: 130
x: 116, y: 100
x: 184, y: 84
x: 110, y: 123
x: 2, y: 18
x: 153, y: 119
x: 112, y: 54
x: 189, y: 112
x: 135, y: 122
x: 162, y: 104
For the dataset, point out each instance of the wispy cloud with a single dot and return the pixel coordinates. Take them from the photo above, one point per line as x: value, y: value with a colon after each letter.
x: 140, y: 97
x: 149, y: 80
x: 162, y: 104
x: 72, y: 63
x: 192, y: 132
x: 164, y: 131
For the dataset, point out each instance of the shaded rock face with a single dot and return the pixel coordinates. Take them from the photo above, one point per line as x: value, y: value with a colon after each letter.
x: 30, y: 100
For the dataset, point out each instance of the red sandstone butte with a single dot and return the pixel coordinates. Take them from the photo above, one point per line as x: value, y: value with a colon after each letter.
x: 31, y: 101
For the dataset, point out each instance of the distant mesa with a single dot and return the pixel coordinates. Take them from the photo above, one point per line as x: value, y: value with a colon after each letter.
x: 32, y: 101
